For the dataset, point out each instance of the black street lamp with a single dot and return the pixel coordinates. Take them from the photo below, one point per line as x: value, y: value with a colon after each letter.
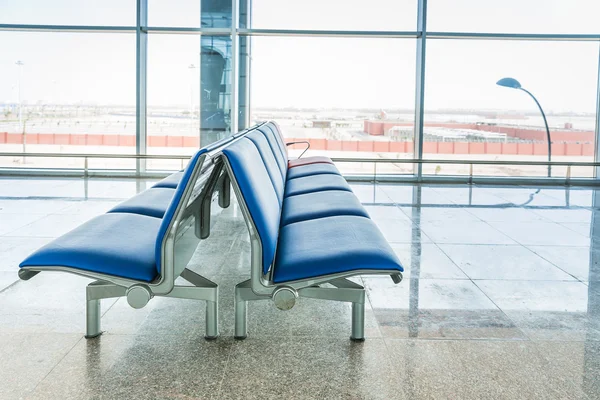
x: 514, y: 84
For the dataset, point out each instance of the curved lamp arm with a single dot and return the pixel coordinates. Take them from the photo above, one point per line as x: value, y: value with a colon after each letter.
x: 546, y: 124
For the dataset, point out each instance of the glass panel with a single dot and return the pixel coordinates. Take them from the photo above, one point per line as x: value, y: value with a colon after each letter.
x: 374, y: 15
x: 189, y: 86
x: 515, y: 16
x: 338, y: 94
x: 67, y: 93
x: 190, y: 13
x: 468, y: 116
x: 68, y: 12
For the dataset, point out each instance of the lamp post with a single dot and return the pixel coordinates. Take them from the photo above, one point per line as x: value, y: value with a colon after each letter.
x: 514, y: 84
x: 20, y: 63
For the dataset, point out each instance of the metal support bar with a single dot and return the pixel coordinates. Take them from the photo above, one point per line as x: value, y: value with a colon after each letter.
x: 334, y: 294
x: 225, y: 191
x: 103, y: 290
x: 26, y: 275
x: 141, y: 147
x: 420, y: 86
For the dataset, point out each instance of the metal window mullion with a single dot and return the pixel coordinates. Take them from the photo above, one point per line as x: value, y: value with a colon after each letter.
x: 141, y: 84
x: 597, y: 130
x: 234, y: 65
x: 420, y: 87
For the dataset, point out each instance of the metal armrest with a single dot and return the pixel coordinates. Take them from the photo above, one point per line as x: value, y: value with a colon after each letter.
x: 306, y: 142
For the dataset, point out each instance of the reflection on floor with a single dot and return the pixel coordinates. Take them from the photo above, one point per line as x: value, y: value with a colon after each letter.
x: 501, y: 300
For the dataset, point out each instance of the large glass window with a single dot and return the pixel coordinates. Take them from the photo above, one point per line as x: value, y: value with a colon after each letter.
x: 189, y: 90
x: 68, y: 12
x: 337, y: 93
x: 358, y: 15
x: 514, y: 16
x: 67, y: 93
x: 190, y: 13
x: 468, y: 116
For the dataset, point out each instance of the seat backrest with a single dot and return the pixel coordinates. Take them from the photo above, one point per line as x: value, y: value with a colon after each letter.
x: 194, y: 163
x: 277, y: 179
x: 272, y: 125
x: 185, y: 185
x: 280, y: 155
x: 259, y: 195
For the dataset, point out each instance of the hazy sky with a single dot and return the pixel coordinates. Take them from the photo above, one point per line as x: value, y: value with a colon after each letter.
x: 311, y: 72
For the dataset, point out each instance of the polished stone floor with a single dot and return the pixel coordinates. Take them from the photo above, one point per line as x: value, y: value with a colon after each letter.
x: 501, y: 300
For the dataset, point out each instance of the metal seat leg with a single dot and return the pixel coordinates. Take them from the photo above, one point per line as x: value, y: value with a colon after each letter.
x: 212, y: 320
x: 241, y: 318
x: 92, y: 316
x: 358, y: 322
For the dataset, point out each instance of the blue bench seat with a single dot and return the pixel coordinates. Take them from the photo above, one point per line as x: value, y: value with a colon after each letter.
x: 315, y: 183
x: 103, y: 245
x: 171, y: 181
x: 319, y: 205
x: 152, y: 202
x: 329, y: 246
x: 311, y: 169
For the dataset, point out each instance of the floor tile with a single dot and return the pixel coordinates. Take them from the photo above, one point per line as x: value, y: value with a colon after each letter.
x: 541, y: 233
x: 26, y: 358
x: 537, y: 295
x: 578, y: 362
x: 502, y: 262
x: 138, y: 367
x: 9, y: 223
x: 426, y: 261
x: 505, y: 214
x: 435, y: 294
x: 370, y: 194
x: 16, y: 249
x: 310, y: 368
x: 580, y: 262
x: 386, y: 212
x: 49, y: 302
x: 464, y: 232
x: 400, y: 231
x: 446, y: 214
x: 53, y: 225
x: 7, y: 279
x: 565, y: 215
x: 477, y: 370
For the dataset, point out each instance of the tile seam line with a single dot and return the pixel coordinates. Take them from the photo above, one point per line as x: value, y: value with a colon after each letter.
x: 489, y: 298
x: 57, y: 364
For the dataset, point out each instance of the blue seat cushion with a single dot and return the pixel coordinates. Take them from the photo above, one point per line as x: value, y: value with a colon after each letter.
x: 114, y: 244
x: 152, y: 202
x: 315, y: 183
x: 332, y: 245
x: 171, y: 181
x: 319, y: 205
x: 311, y: 169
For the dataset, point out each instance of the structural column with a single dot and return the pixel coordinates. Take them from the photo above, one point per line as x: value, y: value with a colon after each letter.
x: 420, y: 86
x: 141, y: 84
x: 597, y: 135
x: 245, y: 8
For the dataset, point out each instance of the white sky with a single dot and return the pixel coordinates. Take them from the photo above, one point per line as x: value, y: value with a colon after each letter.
x: 312, y: 72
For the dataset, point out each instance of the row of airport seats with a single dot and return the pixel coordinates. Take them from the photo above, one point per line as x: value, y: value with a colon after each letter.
x: 308, y: 234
